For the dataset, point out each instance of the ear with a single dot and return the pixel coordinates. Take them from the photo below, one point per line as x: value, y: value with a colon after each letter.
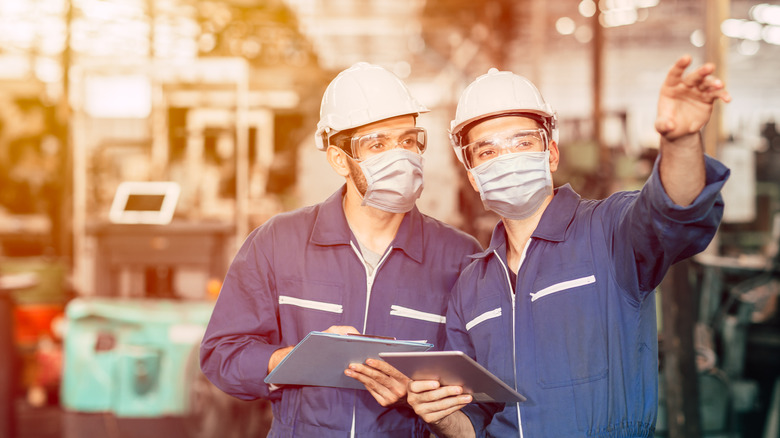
x: 338, y: 160
x: 554, y: 156
x: 472, y: 181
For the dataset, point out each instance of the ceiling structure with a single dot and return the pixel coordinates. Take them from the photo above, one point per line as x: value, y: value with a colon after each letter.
x: 450, y: 42
x: 472, y: 35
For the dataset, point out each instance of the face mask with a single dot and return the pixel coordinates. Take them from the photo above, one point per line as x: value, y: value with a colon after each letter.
x: 514, y: 185
x: 394, y: 179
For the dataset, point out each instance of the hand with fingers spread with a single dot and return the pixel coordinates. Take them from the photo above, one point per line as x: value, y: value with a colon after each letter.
x: 686, y: 100
x: 439, y: 406
x: 385, y: 383
x: 684, y: 107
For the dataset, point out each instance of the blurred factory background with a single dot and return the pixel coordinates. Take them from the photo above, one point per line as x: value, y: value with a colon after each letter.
x: 102, y: 315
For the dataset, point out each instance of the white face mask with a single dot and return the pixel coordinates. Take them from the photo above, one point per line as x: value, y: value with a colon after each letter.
x: 514, y: 185
x: 394, y: 179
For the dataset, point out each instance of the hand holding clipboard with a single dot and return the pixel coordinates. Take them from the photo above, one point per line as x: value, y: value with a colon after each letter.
x: 321, y: 358
x: 454, y: 368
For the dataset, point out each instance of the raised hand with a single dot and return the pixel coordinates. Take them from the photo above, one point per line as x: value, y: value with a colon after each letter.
x: 686, y: 100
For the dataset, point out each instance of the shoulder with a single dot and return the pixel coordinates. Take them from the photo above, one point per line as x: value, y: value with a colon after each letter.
x: 302, y: 214
x: 607, y: 207
x: 436, y: 229
x: 288, y: 224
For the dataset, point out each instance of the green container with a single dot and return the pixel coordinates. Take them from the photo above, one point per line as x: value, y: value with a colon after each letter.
x: 131, y: 357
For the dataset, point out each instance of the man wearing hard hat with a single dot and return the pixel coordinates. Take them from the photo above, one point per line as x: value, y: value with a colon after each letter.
x: 363, y: 261
x: 560, y: 306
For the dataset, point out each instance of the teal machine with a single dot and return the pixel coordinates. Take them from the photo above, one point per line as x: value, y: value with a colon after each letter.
x: 133, y: 358
x: 130, y: 362
x: 131, y: 370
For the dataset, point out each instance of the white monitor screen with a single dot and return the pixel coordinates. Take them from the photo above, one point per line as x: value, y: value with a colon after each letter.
x: 141, y: 202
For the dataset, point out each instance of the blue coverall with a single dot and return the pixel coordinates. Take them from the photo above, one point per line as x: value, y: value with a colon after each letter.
x: 302, y: 271
x: 579, y: 336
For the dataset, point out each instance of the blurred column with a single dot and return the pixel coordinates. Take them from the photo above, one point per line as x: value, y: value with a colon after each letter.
x: 539, y: 31
x: 193, y: 164
x: 62, y: 227
x: 605, y: 155
x: 716, y: 52
x: 158, y: 120
x: 679, y: 310
x: 7, y: 368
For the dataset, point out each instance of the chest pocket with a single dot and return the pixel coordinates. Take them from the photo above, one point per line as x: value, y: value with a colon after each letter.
x: 416, y: 313
x: 570, y: 341
x: 313, y: 306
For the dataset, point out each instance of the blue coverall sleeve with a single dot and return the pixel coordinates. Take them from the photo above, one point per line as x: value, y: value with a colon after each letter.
x: 652, y: 232
x: 243, y: 331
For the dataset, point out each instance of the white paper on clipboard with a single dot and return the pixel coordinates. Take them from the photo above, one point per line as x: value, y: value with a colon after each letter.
x: 454, y: 368
x: 321, y: 358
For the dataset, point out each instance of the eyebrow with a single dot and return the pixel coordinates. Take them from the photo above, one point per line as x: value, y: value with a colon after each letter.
x: 409, y: 131
x: 383, y: 134
x: 485, y: 142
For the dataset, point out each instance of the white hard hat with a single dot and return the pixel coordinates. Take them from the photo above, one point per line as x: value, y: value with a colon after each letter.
x: 499, y: 93
x: 362, y: 94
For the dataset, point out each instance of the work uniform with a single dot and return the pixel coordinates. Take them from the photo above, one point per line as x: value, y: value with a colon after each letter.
x: 303, y: 271
x: 579, y: 337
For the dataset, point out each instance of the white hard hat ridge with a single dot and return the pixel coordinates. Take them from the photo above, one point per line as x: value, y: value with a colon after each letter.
x: 495, y: 93
x: 362, y: 94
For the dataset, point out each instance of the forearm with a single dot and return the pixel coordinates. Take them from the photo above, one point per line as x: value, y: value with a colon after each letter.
x: 682, y: 168
x: 455, y: 425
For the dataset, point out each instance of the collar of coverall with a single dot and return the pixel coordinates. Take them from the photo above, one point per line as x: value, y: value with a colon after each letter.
x: 552, y: 227
x: 331, y: 228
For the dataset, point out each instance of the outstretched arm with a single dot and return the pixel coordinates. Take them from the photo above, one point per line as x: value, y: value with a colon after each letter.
x: 684, y: 107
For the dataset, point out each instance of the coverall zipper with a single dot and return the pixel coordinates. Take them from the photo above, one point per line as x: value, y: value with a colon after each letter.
x: 512, y: 296
x: 369, y: 286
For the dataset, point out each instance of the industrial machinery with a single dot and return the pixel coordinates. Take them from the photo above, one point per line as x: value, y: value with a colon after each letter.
x: 149, y: 263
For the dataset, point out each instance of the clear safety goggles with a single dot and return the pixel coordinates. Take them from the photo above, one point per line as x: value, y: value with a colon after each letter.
x: 373, y: 143
x: 490, y: 147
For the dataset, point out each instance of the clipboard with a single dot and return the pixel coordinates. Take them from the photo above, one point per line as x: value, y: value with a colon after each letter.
x: 321, y: 358
x: 454, y: 368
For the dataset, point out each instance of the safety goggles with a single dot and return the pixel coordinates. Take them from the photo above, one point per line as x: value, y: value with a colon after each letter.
x: 490, y: 147
x: 373, y: 143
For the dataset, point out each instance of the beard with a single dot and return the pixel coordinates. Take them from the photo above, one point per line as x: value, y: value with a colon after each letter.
x: 357, y: 177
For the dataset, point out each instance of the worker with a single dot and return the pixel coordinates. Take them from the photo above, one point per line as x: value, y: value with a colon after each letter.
x: 363, y: 261
x: 561, y: 305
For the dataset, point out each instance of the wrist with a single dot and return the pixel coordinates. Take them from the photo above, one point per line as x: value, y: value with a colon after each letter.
x: 277, y: 357
x: 692, y: 141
